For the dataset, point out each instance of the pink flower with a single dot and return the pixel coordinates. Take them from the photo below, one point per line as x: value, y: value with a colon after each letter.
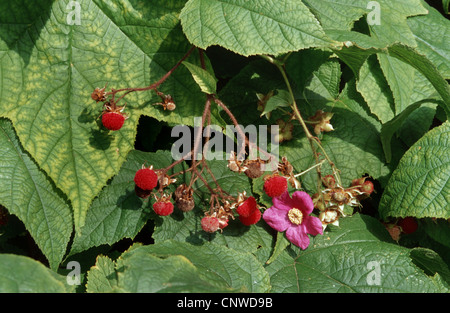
x: 292, y: 215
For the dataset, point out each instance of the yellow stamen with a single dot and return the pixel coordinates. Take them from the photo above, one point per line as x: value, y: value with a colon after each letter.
x: 295, y: 216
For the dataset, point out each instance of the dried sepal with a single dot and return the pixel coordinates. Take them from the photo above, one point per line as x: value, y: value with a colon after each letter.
x: 321, y: 121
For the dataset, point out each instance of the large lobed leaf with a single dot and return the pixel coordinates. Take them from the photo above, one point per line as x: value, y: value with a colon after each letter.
x: 51, y: 64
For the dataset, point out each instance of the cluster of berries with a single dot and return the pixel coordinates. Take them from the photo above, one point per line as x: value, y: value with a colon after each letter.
x: 246, y: 207
x: 146, y: 179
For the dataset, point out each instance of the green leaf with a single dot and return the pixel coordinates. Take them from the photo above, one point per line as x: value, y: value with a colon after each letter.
x: 240, y: 93
x: 251, y: 27
x: 438, y: 230
x: 20, y: 274
x: 428, y: 69
x: 392, y: 26
x: 357, y: 256
x: 402, y: 52
x: 206, y: 81
x: 231, y: 182
x: 388, y: 129
x: 187, y: 228
x: 323, y: 85
x: 280, y: 245
x: 137, y: 270
x: 53, y: 66
x: 218, y: 264
x: 28, y: 193
x: 400, y: 78
x: 102, y: 276
x: 375, y: 89
x: 354, y: 146
x: 431, y: 262
x: 420, y: 120
x: 280, y: 99
x: 117, y: 212
x: 432, y: 34
x: 420, y: 185
x: 356, y: 48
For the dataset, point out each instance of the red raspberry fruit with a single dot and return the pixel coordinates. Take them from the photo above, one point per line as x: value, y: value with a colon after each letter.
x: 210, y: 224
x: 408, y: 225
x: 275, y: 186
x: 146, y: 179
x: 247, y: 207
x: 253, y: 218
x: 113, y: 120
x: 163, y: 208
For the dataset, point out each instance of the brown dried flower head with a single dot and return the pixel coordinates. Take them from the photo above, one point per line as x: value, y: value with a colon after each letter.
x: 183, y: 198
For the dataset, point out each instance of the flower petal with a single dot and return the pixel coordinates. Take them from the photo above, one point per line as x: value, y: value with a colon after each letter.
x: 312, y: 225
x: 298, y: 236
x: 302, y: 201
x: 277, y: 218
x: 283, y: 202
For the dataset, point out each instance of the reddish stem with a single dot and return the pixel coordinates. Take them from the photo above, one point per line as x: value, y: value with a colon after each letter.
x: 152, y: 86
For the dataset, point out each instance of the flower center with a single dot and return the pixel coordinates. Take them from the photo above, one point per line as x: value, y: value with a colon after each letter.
x: 295, y: 216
